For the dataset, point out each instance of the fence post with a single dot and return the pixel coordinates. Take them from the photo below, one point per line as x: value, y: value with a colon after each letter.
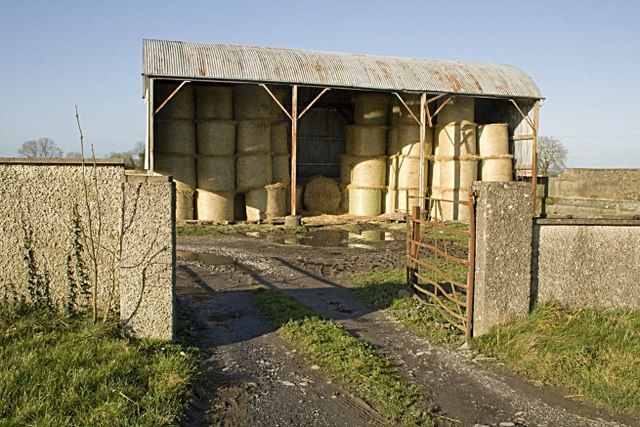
x: 415, y: 238
x: 471, y: 274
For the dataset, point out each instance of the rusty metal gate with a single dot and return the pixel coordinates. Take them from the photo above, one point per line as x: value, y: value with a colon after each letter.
x: 441, y: 261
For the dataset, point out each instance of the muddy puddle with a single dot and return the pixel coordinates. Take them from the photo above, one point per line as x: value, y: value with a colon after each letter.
x: 204, y: 257
x: 336, y: 238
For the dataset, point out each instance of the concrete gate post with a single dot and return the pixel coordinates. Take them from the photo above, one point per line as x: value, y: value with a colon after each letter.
x: 503, y: 253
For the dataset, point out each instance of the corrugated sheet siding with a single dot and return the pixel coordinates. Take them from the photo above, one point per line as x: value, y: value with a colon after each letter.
x: 259, y: 64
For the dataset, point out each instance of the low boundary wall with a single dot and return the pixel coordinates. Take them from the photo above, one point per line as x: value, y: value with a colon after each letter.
x: 44, y: 208
x: 521, y: 261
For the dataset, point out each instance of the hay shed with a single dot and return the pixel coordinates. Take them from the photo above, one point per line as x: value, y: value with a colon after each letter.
x: 253, y: 117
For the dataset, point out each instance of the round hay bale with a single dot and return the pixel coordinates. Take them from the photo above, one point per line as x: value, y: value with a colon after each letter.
x: 265, y: 203
x: 389, y: 198
x: 371, y: 108
x: 365, y: 201
x: 399, y: 199
x: 175, y: 136
x: 408, y: 198
x: 399, y: 113
x: 322, y: 195
x: 214, y: 102
x: 405, y: 139
x: 216, y: 173
x: 392, y: 140
x: 253, y: 171
x: 276, y: 200
x: 493, y: 147
x: 346, y: 166
x: 459, y: 109
x: 458, y: 174
x: 256, y: 204
x: 276, y: 113
x: 280, y: 137
x: 215, y: 206
x: 454, y: 211
x: 456, y: 139
x: 280, y: 165
x: 493, y: 139
x: 184, y: 201
x: 251, y: 102
x: 344, y: 201
x: 253, y: 136
x: 216, y: 137
x: 404, y: 171
x: 364, y: 171
x: 180, y: 166
x: 180, y: 106
x: 496, y: 169
x: 365, y: 140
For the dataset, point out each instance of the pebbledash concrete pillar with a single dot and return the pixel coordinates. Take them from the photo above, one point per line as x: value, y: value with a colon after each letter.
x: 503, y: 253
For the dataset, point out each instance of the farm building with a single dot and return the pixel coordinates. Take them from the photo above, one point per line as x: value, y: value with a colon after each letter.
x: 252, y: 133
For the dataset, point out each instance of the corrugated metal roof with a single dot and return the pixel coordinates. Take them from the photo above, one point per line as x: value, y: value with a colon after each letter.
x: 270, y: 65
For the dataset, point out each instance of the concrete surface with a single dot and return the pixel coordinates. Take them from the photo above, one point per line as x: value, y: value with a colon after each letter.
x: 592, y: 193
x: 503, y: 253
x: 593, y: 264
x: 135, y: 229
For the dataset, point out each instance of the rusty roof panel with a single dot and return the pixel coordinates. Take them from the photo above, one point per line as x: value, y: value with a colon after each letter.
x: 174, y: 59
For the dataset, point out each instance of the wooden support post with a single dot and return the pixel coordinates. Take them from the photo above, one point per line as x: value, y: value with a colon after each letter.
x: 171, y: 95
x: 294, y: 146
x: 150, y: 126
x: 534, y: 156
x: 415, y: 239
x: 471, y: 274
x: 421, y: 174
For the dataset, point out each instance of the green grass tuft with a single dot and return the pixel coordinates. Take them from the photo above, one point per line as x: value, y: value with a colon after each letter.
x: 59, y: 371
x: 447, y: 237
x: 382, y: 288
x: 594, y: 353
x: 348, y: 360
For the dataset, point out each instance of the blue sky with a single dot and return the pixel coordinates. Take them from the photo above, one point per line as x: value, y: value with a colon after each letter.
x: 584, y: 55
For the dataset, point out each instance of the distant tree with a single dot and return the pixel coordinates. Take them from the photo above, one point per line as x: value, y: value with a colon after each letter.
x: 73, y: 155
x: 134, y: 158
x: 552, y: 156
x: 42, y: 147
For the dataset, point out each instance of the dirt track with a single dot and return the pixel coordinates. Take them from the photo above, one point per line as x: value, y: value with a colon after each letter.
x: 254, y: 378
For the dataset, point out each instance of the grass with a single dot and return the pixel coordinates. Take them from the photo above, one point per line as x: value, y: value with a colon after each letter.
x: 382, y: 289
x: 594, y: 353
x: 59, y: 371
x: 212, y: 230
x: 352, y: 362
x: 461, y: 242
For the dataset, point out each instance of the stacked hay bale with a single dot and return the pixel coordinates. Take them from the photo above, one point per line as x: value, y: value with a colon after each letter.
x: 493, y: 148
x: 457, y: 162
x: 403, y: 165
x: 175, y: 145
x: 254, y: 174
x: 322, y: 195
x: 363, y: 166
x: 216, y: 143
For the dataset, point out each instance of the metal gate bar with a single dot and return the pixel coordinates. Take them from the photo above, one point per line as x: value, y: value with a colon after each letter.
x: 438, y: 285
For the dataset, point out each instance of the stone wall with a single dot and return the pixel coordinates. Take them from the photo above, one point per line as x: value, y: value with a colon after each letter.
x: 503, y: 253
x: 594, y: 193
x: 521, y: 261
x: 131, y: 226
x: 587, y: 263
